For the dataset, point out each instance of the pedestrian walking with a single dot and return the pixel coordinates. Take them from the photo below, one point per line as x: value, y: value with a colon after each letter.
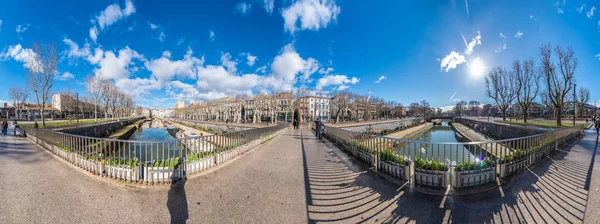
x: 14, y: 125
x: 35, y: 125
x: 4, y: 127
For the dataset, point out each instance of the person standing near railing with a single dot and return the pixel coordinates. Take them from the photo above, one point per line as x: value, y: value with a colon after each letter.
x: 4, y: 127
x: 597, y: 126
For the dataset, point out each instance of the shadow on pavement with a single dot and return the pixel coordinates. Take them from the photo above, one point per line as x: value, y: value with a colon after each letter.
x: 177, y: 201
x: 339, y: 190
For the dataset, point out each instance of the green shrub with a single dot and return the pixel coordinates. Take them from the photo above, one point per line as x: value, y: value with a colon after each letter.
x: 430, y: 165
x: 464, y: 166
x: 516, y: 155
x: 389, y: 155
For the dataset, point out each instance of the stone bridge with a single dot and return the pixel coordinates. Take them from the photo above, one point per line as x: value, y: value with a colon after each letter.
x: 293, y: 178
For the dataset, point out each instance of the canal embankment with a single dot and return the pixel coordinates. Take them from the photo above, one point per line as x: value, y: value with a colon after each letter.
x: 466, y: 134
x: 99, y: 130
x: 127, y: 131
x: 499, y: 131
x: 387, y: 127
x: 411, y: 132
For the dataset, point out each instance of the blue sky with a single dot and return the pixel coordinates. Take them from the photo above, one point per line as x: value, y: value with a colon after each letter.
x: 161, y: 51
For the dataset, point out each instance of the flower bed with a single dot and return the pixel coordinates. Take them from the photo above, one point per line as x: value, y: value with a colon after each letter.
x: 87, y: 164
x: 194, y: 165
x: 366, y: 157
x: 394, y: 165
x: 431, y: 174
x: 473, y: 174
x: 511, y: 164
x: 123, y: 172
x: 227, y: 155
x: 537, y: 154
x: 160, y: 174
x: 65, y: 154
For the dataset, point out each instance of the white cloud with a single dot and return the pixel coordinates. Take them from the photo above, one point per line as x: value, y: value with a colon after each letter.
x: 380, y: 79
x: 226, y: 61
x: 597, y: 56
x: 452, y: 60
x: 137, y: 87
x: 590, y: 14
x: 335, y: 80
x: 17, y: 53
x: 189, y: 92
x: 114, y: 13
x: 243, y: 7
x: 74, y: 50
x: 261, y: 69
x: 164, y: 69
x: 251, y: 59
x: 518, y: 34
x: 581, y: 8
x: 311, y: 14
x: 502, y: 35
x: 467, y: 6
x: 65, y: 76
x: 325, y: 71
x: 22, y: 28
x: 269, y: 5
x: 180, y: 41
x: 160, y: 32
x: 475, y: 41
x: 531, y: 17
x: 559, y: 5
x: 117, y: 67
x: 501, y: 48
x: 152, y: 26
x: 452, y: 97
x: 211, y: 35
x: 286, y: 66
x: 94, y: 33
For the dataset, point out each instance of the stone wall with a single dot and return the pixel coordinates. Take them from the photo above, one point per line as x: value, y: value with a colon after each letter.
x: 388, y: 127
x: 210, y: 127
x: 498, y: 131
x: 98, y: 130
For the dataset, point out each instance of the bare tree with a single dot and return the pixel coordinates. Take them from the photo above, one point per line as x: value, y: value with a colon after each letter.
x: 18, y: 96
x: 500, y: 88
x: 94, y: 86
x: 526, y: 84
x: 340, y: 100
x: 559, y: 80
x: 41, y: 65
x: 582, y: 99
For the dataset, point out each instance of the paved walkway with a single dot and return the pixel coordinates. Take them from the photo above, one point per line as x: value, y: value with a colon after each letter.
x: 293, y: 178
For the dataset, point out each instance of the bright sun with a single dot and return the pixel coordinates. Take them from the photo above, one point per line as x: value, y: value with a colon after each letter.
x: 477, y: 68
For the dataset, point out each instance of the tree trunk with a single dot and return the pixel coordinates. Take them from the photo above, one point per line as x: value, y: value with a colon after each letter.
x: 43, y: 118
x: 558, y: 116
x: 504, y: 115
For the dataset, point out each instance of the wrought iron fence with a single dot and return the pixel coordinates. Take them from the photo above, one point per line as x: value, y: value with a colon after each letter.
x: 149, y: 161
x: 459, y: 164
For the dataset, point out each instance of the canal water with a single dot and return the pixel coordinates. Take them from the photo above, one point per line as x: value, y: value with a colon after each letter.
x: 152, y: 141
x: 440, y: 151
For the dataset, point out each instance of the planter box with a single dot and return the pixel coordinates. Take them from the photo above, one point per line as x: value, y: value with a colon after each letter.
x: 395, y: 169
x: 472, y: 178
x: 366, y: 157
x: 87, y: 164
x: 227, y: 155
x: 508, y: 169
x: 428, y: 178
x: 123, y: 172
x: 200, y: 165
x: 537, y: 156
x: 64, y: 155
x: 160, y: 174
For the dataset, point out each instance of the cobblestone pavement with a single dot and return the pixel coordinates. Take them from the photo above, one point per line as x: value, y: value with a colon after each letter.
x: 293, y: 178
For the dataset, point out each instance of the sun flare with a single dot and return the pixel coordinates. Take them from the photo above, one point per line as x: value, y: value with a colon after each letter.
x: 477, y: 68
